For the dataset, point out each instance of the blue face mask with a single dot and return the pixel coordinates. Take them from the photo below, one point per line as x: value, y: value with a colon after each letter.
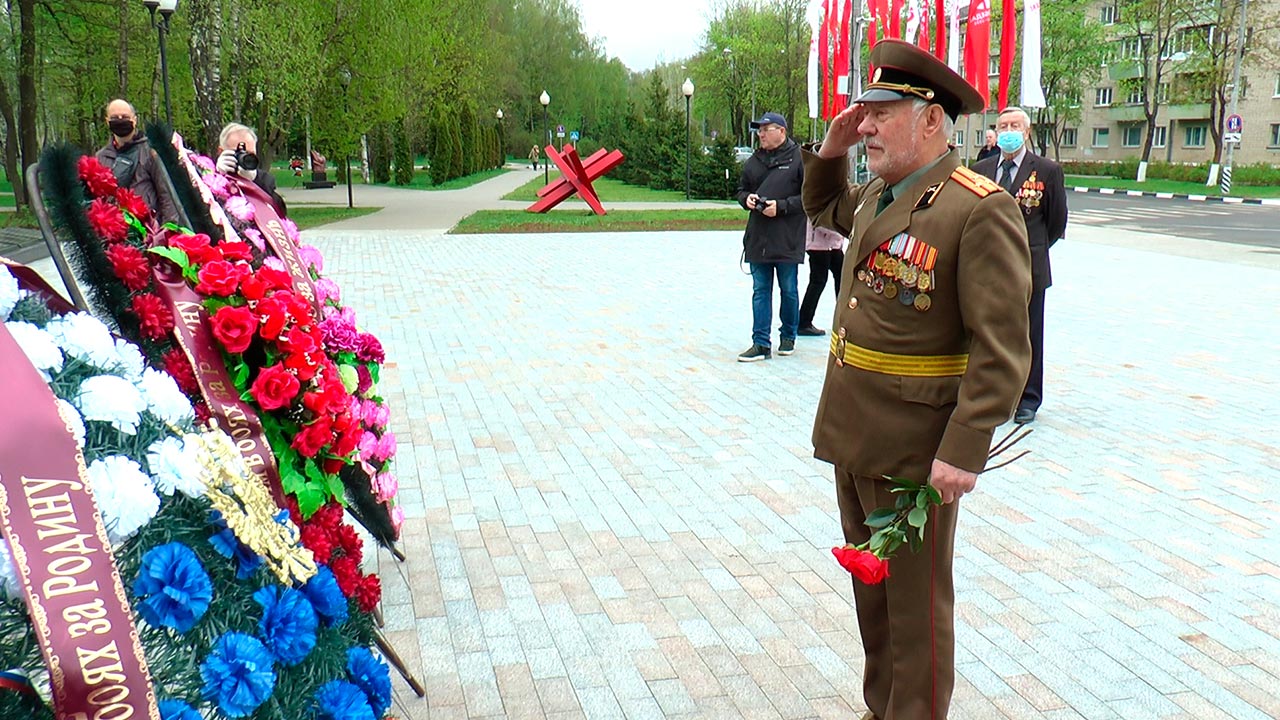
x: 1010, y: 141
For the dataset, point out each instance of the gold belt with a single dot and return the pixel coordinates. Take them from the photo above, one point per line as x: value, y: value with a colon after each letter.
x: 893, y: 364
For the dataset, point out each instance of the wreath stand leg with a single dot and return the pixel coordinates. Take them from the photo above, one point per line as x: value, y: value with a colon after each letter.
x: 394, y: 658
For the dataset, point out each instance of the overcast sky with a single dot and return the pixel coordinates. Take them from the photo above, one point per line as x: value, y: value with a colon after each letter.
x: 646, y: 32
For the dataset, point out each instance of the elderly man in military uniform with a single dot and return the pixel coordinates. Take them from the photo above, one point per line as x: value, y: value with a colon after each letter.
x: 929, y: 351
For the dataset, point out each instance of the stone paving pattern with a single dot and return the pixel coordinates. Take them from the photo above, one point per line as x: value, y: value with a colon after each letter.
x: 609, y: 517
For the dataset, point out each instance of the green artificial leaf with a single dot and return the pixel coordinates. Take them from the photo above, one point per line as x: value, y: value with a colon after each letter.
x: 374, y: 372
x: 240, y: 375
x: 177, y: 256
x: 310, y: 498
x: 881, y: 517
x: 247, y: 396
x: 917, y: 517
x: 135, y: 223
x: 336, y: 488
x: 922, y: 500
x: 346, y: 358
x: 314, y: 473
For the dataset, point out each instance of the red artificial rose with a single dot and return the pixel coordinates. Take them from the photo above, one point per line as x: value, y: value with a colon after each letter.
x: 305, y: 365
x: 862, y: 564
x: 234, y: 328
x: 130, y: 265
x: 154, y: 317
x: 368, y: 593
x: 347, y: 433
x: 252, y: 288
x: 350, y: 542
x: 346, y: 573
x: 274, y: 388
x: 107, y: 221
x: 318, y: 541
x: 179, y: 367
x: 332, y: 465
x: 197, y: 248
x: 275, y: 279
x: 131, y: 203
x: 271, y: 313
x: 220, y: 278
x: 299, y: 340
x: 97, y: 177
x: 311, y: 439
x: 235, y: 251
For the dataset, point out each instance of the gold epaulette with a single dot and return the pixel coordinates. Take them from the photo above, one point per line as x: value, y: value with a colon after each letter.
x: 976, y: 183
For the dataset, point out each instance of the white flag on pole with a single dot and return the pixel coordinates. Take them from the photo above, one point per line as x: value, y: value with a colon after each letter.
x: 953, y: 36
x: 1032, y: 92
x: 913, y: 21
x: 813, y: 14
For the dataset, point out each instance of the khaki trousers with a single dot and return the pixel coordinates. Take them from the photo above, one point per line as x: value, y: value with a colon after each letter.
x: 906, y: 621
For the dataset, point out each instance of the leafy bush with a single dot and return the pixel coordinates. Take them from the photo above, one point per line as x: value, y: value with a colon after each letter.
x: 403, y: 153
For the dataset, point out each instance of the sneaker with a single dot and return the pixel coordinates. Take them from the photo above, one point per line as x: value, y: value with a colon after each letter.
x: 811, y: 331
x: 754, y: 353
x: 786, y: 346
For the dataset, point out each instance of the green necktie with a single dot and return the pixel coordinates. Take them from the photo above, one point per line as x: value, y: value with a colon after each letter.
x: 886, y: 197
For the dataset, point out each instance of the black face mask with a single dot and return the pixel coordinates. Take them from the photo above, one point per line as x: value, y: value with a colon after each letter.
x: 120, y: 128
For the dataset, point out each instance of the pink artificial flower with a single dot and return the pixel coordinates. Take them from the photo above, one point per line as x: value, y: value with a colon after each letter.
x: 369, y: 349
x: 310, y: 256
x: 368, y: 445
x: 385, y: 486
x: 255, y: 237
x: 240, y: 208
x: 397, y: 518
x: 291, y: 230
x: 217, y: 184
x: 203, y: 162
x: 386, y: 446
x: 365, y: 380
x: 339, y: 332
x: 275, y: 263
x: 374, y: 414
x: 328, y: 291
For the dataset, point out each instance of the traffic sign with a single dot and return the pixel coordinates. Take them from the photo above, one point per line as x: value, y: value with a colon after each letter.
x: 1235, y: 124
x: 1231, y: 138
x: 559, y: 131
x: 574, y: 136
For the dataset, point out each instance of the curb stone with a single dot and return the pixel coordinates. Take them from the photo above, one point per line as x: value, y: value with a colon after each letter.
x: 1178, y: 196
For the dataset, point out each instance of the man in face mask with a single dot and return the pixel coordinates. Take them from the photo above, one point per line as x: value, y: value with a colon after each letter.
x: 134, y: 163
x: 1036, y: 183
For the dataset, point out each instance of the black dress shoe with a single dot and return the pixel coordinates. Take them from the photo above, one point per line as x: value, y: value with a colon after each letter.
x: 1024, y: 416
x: 811, y: 331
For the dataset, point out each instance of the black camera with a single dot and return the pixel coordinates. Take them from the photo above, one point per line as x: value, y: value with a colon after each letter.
x: 762, y: 202
x: 245, y: 159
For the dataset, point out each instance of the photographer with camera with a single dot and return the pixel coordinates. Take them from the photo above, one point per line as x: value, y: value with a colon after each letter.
x: 238, y: 155
x: 773, y: 243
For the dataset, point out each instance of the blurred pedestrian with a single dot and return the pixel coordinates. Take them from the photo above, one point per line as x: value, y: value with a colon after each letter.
x: 826, y: 255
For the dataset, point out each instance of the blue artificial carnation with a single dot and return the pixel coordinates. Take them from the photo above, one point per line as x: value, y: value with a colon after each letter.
x: 372, y: 676
x: 238, y: 674
x: 174, y: 587
x: 340, y: 700
x: 288, y: 624
x: 177, y: 710
x: 229, y: 546
x: 326, y: 597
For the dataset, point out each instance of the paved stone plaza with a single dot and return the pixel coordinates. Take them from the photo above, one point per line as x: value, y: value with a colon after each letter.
x: 610, y: 517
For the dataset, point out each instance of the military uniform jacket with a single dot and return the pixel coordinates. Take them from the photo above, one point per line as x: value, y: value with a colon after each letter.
x: 880, y: 423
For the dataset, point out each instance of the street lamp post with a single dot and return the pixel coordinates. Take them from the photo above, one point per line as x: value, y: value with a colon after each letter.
x: 1235, y: 96
x: 345, y: 76
x: 687, y: 89
x: 166, y: 8
x: 545, y: 99
x: 727, y: 53
x: 502, y: 145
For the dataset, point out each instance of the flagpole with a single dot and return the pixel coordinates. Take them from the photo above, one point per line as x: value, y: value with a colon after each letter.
x: 855, y: 76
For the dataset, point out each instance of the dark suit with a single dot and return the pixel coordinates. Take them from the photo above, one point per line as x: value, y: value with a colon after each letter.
x: 1046, y: 222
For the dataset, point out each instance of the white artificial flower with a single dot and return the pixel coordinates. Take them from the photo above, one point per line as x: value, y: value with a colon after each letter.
x: 40, y: 348
x: 175, y: 465
x: 72, y: 416
x: 10, y: 293
x: 130, y: 364
x: 9, y: 585
x: 124, y: 494
x: 83, y: 336
x: 111, y: 399
x: 164, y: 399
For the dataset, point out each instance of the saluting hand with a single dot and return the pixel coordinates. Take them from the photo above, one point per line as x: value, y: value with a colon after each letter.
x: 950, y: 481
x: 843, y: 132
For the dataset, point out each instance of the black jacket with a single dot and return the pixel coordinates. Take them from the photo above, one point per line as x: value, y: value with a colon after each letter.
x: 774, y: 175
x: 1042, y: 198
x: 137, y: 167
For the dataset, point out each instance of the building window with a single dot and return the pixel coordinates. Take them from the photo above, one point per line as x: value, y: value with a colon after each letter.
x: 1277, y: 90
x: 1131, y: 135
x: 1195, y: 135
x: 1101, y: 137
x: 1162, y: 96
x: 1189, y: 40
x: 1069, y: 137
x: 1159, y: 136
x: 1136, y: 93
x: 1109, y: 15
x: 1130, y: 48
x: 1275, y: 136
x: 1102, y: 97
x: 993, y: 65
x: 979, y: 137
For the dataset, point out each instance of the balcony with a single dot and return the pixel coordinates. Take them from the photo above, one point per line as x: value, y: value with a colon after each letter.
x: 1124, y: 70
x: 1125, y: 113
x: 1189, y: 111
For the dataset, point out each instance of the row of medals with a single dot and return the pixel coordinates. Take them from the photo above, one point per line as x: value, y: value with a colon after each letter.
x: 896, y: 278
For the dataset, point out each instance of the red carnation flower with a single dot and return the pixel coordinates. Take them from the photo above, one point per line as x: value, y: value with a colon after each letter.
x: 350, y: 542
x: 370, y: 349
x: 347, y: 573
x: 274, y: 388
x: 130, y: 265
x: 234, y: 328
x: 328, y: 516
x: 220, y: 278
x: 179, y: 367
x: 107, y: 221
x: 131, y: 203
x: 153, y: 315
x: 317, y: 540
x: 202, y: 412
x: 235, y: 251
x: 197, y: 248
x: 862, y: 564
x: 97, y: 177
x: 368, y: 593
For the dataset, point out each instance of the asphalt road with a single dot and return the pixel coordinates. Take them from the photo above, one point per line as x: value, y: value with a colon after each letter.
x: 1257, y: 225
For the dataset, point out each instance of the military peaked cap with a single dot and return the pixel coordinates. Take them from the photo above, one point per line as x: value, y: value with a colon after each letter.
x: 906, y: 71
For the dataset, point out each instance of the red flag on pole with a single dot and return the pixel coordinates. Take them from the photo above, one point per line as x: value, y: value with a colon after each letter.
x: 922, y: 40
x: 1008, y: 46
x: 977, y: 48
x: 940, y: 30
x: 842, y: 57
x: 895, y: 19
x: 824, y: 54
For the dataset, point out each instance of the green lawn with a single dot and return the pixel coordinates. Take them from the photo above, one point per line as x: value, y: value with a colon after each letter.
x: 422, y: 180
x: 609, y: 190
x: 1172, y: 186
x: 20, y: 219
x: 520, y: 221
x: 315, y: 216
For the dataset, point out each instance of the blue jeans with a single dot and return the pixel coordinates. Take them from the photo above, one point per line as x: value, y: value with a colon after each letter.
x: 762, y: 301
